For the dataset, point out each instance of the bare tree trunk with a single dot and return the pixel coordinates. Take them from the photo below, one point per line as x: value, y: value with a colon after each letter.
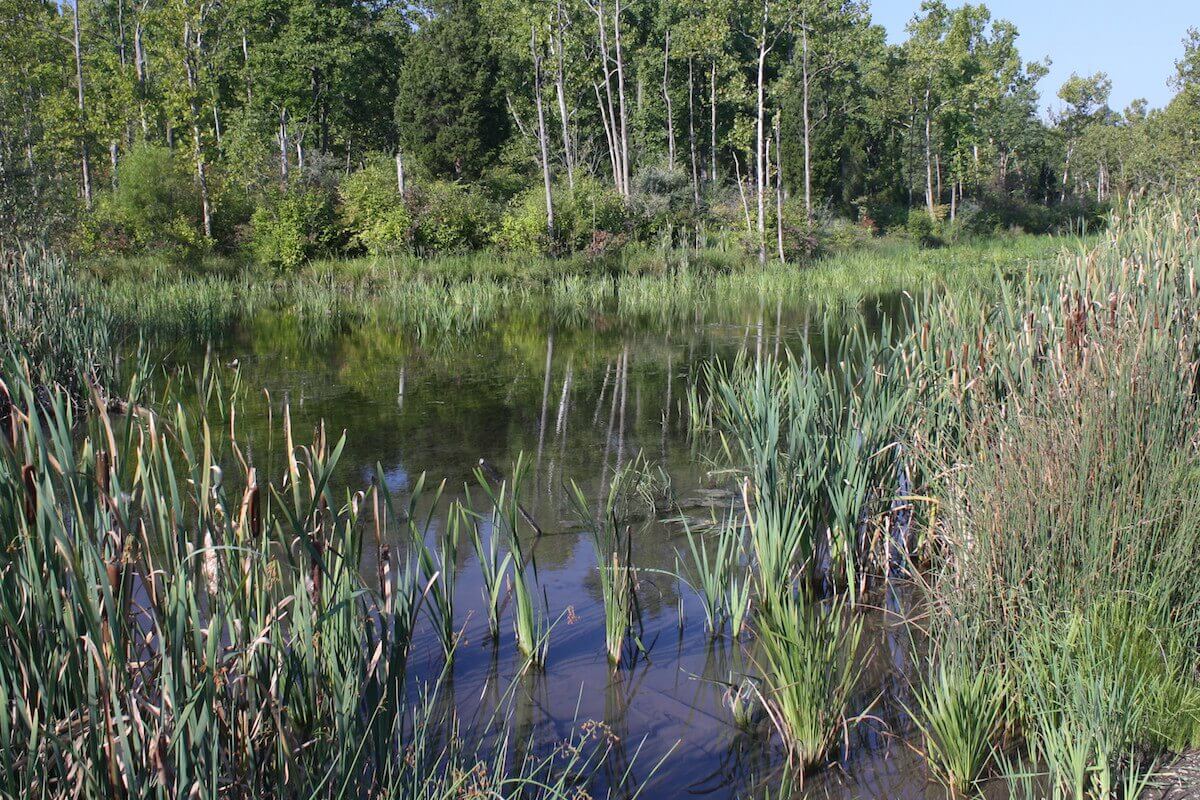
x: 609, y: 138
x: 779, y: 192
x: 1066, y: 173
x: 610, y: 128
x: 139, y: 68
x: 621, y: 97
x: 191, y: 49
x: 245, y: 65
x: 712, y: 125
x: 112, y: 158
x: 929, y: 202
x: 807, y: 124
x: 666, y: 91
x: 737, y: 170
x: 399, y: 172
x: 937, y: 170
x: 543, y: 143
x: 284, y: 155
x: 85, y: 158
x: 692, y: 133
x: 560, y: 90
x: 760, y: 138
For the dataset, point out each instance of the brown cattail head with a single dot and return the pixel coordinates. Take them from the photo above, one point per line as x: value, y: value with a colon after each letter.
x: 29, y: 478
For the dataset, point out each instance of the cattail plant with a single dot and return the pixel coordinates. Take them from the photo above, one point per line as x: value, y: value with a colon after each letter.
x: 530, y: 626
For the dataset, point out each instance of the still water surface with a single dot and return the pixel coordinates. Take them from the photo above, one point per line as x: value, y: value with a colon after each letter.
x: 579, y: 403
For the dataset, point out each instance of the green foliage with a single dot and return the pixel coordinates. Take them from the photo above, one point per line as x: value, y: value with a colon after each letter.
x: 923, y: 229
x: 450, y: 109
x: 155, y: 207
x: 808, y: 655
x: 373, y: 212
x: 666, y: 209
x: 591, y: 218
x: 960, y: 713
x: 293, y: 227
x: 449, y: 217
x: 251, y: 609
x: 61, y: 332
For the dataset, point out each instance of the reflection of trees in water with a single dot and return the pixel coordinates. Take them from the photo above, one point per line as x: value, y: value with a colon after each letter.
x: 586, y: 402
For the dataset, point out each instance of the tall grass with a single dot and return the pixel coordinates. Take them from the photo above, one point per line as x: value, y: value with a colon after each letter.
x: 815, y: 435
x: 717, y: 577
x: 808, y: 656
x: 458, y: 296
x: 612, y: 543
x: 960, y: 713
x: 531, y: 626
x: 62, y: 332
x: 179, y: 622
x: 1066, y: 449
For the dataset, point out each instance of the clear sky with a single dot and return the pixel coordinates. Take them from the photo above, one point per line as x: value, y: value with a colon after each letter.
x: 1135, y: 41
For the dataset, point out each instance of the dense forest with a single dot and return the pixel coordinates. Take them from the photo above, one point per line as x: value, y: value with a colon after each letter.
x: 289, y: 129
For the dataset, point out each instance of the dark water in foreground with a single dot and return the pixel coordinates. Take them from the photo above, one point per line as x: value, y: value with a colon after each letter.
x: 580, y: 404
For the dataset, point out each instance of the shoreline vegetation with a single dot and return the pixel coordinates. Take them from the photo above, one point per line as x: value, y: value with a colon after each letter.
x: 459, y: 295
x: 233, y: 645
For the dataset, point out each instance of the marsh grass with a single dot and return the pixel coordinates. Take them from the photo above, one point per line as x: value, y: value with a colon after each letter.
x: 960, y: 712
x: 530, y: 615
x: 180, y: 620
x: 612, y: 544
x: 808, y: 655
x: 1065, y: 438
x: 716, y: 574
x: 60, y: 331
x: 815, y: 434
x: 462, y: 295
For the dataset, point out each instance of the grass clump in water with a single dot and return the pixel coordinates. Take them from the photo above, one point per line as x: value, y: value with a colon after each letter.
x: 808, y: 655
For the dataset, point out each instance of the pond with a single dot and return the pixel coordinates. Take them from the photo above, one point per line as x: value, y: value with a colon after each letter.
x: 579, y: 404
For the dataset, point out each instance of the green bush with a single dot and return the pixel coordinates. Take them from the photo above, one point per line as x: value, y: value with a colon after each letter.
x: 293, y: 227
x: 665, y: 206
x: 923, y: 228
x: 373, y: 211
x: 840, y: 235
x: 154, y: 207
x: 522, y: 228
x: 449, y: 217
x: 592, y: 213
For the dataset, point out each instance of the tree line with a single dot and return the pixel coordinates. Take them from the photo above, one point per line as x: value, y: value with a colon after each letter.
x: 456, y: 123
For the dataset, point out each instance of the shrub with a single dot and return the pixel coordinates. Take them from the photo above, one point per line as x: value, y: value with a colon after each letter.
x: 592, y: 218
x: 449, y: 217
x: 923, y: 228
x: 522, y: 228
x: 665, y: 205
x: 155, y: 206
x: 841, y: 235
x: 373, y: 212
x: 293, y: 227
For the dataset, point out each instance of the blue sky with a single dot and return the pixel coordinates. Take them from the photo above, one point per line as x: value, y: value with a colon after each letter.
x: 1136, y: 42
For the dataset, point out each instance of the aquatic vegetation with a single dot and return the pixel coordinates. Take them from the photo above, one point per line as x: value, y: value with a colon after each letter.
x: 612, y: 543
x: 960, y: 713
x: 529, y: 617
x: 816, y: 443
x: 493, y: 569
x: 47, y: 320
x: 460, y: 295
x: 809, y: 657
x: 1070, y: 516
x: 717, y: 577
x: 175, y: 622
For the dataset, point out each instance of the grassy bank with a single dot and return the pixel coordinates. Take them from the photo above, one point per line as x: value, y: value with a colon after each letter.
x: 457, y: 295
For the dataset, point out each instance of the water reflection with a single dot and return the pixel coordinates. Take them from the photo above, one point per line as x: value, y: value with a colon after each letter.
x: 581, y: 403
